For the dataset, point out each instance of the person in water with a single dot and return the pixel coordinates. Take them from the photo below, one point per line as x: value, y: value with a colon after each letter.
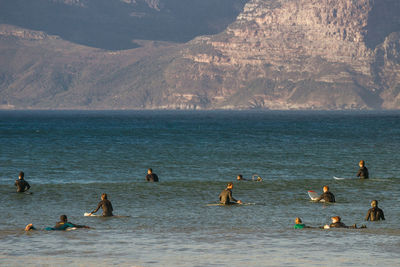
x: 63, y: 224
x: 240, y: 178
x: 337, y: 223
x: 151, y: 177
x: 106, y: 205
x: 299, y: 224
x: 327, y: 196
x: 375, y: 213
x: 21, y: 184
x: 363, y: 171
x: 226, y: 197
x: 256, y: 178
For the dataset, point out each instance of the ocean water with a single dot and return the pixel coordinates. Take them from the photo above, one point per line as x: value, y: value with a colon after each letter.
x: 71, y: 157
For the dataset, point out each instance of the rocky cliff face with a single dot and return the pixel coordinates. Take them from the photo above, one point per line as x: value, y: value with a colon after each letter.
x: 278, y: 54
x: 304, y: 54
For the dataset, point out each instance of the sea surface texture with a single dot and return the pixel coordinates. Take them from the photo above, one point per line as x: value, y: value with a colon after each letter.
x: 71, y: 157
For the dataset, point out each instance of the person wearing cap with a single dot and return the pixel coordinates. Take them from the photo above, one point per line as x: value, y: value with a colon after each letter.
x: 226, y: 197
x: 106, y: 206
x: 363, y: 171
x: 327, y: 196
x: 151, y: 177
x: 21, y: 184
x: 299, y: 223
x: 375, y: 213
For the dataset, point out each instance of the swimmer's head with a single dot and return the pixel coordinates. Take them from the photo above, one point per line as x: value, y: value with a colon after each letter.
x: 63, y: 218
x: 259, y: 179
x: 325, y: 188
x: 374, y: 203
x: 103, y: 196
x: 149, y: 170
x: 298, y: 220
x: 361, y: 163
x: 239, y: 177
x: 336, y: 219
x: 21, y: 175
x: 229, y: 185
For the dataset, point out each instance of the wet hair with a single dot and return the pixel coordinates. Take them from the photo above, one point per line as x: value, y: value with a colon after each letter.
x: 21, y: 174
x: 376, y: 202
x: 150, y: 169
x: 298, y: 220
x: 230, y: 183
x: 361, y: 162
x: 327, y: 187
x: 337, y: 218
x: 240, y: 176
x: 63, y: 218
x: 104, y: 195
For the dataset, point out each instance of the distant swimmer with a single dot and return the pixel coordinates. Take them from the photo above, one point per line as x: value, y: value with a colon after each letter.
x: 151, y: 177
x: 363, y: 171
x: 105, y: 204
x: 256, y: 178
x: 375, y: 213
x: 337, y: 223
x: 240, y: 178
x: 226, y: 197
x: 63, y: 224
x: 299, y: 224
x: 327, y: 196
x: 21, y: 184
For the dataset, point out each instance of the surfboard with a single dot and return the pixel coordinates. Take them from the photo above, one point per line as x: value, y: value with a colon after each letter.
x: 100, y: 215
x: 219, y: 204
x: 312, y: 194
x: 94, y: 215
x: 341, y: 178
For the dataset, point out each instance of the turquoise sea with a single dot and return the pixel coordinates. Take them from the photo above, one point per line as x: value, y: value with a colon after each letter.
x: 71, y: 157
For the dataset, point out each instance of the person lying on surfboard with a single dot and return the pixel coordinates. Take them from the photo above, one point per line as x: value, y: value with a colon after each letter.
x: 21, y: 184
x: 226, y: 197
x: 327, y: 196
x: 299, y: 224
x: 375, y: 213
x: 105, y: 204
x: 63, y: 224
x: 336, y: 223
x: 363, y: 171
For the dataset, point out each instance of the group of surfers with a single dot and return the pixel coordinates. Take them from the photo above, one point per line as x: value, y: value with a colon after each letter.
x: 225, y: 198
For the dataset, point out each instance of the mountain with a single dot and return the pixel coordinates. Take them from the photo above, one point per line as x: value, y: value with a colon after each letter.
x: 277, y: 54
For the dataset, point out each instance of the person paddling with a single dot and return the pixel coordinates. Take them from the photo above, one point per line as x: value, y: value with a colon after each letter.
x: 106, y: 205
x: 62, y: 225
x: 21, y: 184
x: 226, y: 197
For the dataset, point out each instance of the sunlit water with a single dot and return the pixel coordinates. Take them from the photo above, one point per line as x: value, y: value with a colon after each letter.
x: 70, y: 158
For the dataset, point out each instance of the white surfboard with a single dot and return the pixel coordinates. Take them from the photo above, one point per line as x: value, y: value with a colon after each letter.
x: 312, y: 194
x: 342, y: 178
x: 94, y: 215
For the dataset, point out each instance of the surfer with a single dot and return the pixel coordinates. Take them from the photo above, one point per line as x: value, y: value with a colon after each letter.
x: 21, y: 184
x: 299, y: 224
x: 226, y: 197
x: 327, y: 196
x: 151, y: 177
x: 337, y: 223
x: 363, y: 171
x: 375, y: 213
x: 63, y: 224
x: 240, y: 178
x: 106, y: 205
x: 256, y: 178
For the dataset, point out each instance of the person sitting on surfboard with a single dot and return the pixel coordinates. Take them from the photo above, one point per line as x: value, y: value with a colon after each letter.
x: 63, y: 224
x: 105, y: 204
x: 363, y: 171
x: 226, y: 197
x: 151, y: 177
x: 327, y: 196
x: 375, y: 213
x: 21, y: 184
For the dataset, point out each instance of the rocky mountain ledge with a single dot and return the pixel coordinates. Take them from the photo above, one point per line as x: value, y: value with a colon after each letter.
x: 278, y: 54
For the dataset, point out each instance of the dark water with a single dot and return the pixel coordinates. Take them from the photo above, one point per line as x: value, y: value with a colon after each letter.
x: 70, y: 158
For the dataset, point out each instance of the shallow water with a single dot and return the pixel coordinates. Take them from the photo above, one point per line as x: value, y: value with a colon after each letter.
x: 70, y: 158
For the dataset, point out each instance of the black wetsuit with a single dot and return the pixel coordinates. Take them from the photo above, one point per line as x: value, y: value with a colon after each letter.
x: 375, y: 214
x: 22, y: 185
x: 105, y: 204
x: 338, y: 225
x: 226, y: 197
x: 152, y: 177
x: 363, y: 173
x: 327, y: 196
